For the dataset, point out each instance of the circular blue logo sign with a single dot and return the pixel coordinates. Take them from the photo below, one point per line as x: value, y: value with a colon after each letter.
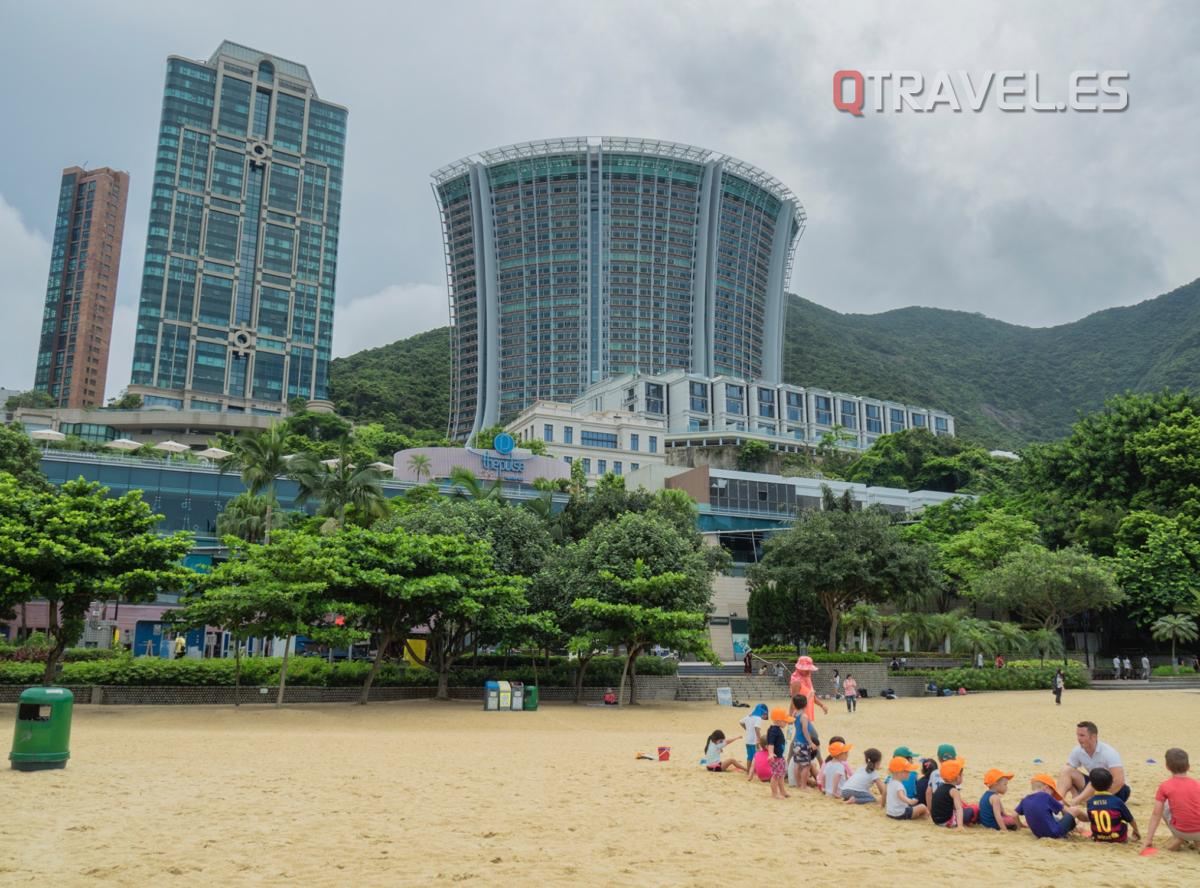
x: 503, y: 443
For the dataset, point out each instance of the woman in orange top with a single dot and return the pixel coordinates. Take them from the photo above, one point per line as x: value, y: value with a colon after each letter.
x: 802, y: 683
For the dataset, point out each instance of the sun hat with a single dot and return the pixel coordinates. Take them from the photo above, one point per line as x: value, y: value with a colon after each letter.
x: 996, y: 774
x: 779, y: 714
x: 946, y: 752
x: 952, y: 769
x: 760, y: 710
x: 805, y: 664
x: 836, y: 749
x: 899, y: 764
x: 904, y: 751
x: 1047, y: 780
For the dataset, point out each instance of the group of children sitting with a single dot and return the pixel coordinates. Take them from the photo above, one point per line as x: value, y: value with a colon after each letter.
x: 910, y: 789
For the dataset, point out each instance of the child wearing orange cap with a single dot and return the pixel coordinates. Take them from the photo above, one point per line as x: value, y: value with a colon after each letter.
x: 948, y: 808
x: 834, y: 771
x: 1045, y: 814
x: 898, y: 804
x: 991, y: 807
x: 775, y: 745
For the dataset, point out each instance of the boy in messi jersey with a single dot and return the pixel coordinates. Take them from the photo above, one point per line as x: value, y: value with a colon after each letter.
x: 1111, y: 820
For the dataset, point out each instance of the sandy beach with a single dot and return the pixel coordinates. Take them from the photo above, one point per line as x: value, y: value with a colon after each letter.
x: 418, y: 792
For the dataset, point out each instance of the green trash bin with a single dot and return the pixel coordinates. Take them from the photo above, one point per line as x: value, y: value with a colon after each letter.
x: 531, y: 698
x: 42, y: 738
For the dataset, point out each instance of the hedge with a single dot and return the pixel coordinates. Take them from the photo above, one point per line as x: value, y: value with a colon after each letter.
x: 1167, y: 670
x: 70, y: 655
x: 781, y: 652
x: 311, y: 672
x: 1010, y: 678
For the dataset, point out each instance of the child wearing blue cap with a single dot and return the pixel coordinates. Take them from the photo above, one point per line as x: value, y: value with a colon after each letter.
x: 753, y: 725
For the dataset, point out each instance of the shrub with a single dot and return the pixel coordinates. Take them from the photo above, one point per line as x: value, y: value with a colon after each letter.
x: 1167, y: 670
x: 788, y: 652
x: 1010, y: 678
x: 35, y: 654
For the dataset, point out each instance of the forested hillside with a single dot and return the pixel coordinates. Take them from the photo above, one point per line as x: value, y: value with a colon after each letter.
x: 1006, y: 385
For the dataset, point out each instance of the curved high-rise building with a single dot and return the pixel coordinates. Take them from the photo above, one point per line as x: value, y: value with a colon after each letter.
x: 572, y: 260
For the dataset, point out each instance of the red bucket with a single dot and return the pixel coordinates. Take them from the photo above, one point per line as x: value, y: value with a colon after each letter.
x: 664, y: 753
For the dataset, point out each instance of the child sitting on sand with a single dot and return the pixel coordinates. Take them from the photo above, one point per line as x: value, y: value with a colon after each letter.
x: 897, y: 802
x: 775, y: 745
x: 712, y: 753
x: 1111, y: 820
x: 834, y: 772
x: 1177, y: 802
x: 948, y: 808
x: 1043, y: 810
x: 856, y: 789
x: 991, y: 807
x: 927, y: 768
x: 819, y: 765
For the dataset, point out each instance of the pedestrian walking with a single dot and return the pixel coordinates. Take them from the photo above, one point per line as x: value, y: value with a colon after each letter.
x: 1059, y: 683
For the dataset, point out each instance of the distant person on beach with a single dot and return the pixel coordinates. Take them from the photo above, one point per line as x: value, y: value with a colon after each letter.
x: 802, y: 683
x: 1043, y: 810
x: 804, y: 744
x: 748, y: 662
x: 856, y: 789
x: 991, y: 803
x: 1145, y: 667
x: 948, y: 808
x: 928, y: 767
x: 909, y: 776
x: 1177, y: 803
x: 1059, y: 682
x: 834, y: 771
x: 754, y: 726
x: 850, y: 690
x: 819, y: 764
x: 1073, y: 781
x: 180, y: 646
x: 713, y: 748
x: 837, y: 685
x: 1127, y: 669
x: 1111, y: 820
x: 945, y: 753
x: 898, y: 804
x: 1116, y: 667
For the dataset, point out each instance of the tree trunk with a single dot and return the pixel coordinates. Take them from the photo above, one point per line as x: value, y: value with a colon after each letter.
x: 443, y: 685
x: 907, y: 643
x: 237, y: 671
x: 287, y: 643
x: 24, y: 622
x: 385, y: 641
x: 583, y: 665
x: 633, y: 701
x: 833, y: 630
x: 267, y: 522
x: 621, y: 688
x: 56, y: 652
x: 1174, y: 662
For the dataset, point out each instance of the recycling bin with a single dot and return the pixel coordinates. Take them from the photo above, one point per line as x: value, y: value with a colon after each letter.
x: 505, y: 696
x: 518, y: 696
x: 491, y: 695
x: 531, y: 698
x: 42, y: 738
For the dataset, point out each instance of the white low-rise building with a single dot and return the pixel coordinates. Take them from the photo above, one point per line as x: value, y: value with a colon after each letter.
x: 605, y: 441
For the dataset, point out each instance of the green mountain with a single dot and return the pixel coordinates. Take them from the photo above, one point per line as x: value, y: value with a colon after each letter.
x: 1006, y: 385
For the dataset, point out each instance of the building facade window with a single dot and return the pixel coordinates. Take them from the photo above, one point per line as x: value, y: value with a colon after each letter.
x: 850, y: 415
x: 598, y: 439
x: 617, y: 468
x: 655, y: 402
x: 568, y: 434
x: 918, y: 421
x: 633, y: 467
x: 633, y: 441
x: 824, y: 410
x: 735, y: 400
x: 766, y: 403
x: 698, y: 396
x: 895, y: 420
x: 874, y: 418
x: 653, y: 444
x: 548, y: 433
x: 587, y: 465
x: 795, y: 407
x: 941, y: 425
x: 601, y: 466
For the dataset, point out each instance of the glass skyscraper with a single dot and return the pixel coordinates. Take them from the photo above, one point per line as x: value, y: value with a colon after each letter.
x: 236, y: 309
x: 572, y: 260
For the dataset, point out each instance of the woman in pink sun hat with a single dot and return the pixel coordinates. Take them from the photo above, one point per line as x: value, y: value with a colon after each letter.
x: 802, y: 683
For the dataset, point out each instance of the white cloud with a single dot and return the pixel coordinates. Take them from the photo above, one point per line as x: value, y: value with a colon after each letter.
x: 395, y: 312
x: 24, y: 264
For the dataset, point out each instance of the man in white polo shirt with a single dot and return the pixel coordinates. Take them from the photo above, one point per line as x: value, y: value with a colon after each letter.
x: 1090, y: 753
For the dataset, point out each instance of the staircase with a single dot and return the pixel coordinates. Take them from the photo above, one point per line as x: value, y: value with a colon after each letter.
x: 752, y: 689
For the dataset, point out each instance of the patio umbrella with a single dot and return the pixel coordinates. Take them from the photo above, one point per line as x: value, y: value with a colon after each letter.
x: 46, y: 436
x: 214, y: 453
x: 124, y: 444
x: 172, y: 447
x: 382, y: 467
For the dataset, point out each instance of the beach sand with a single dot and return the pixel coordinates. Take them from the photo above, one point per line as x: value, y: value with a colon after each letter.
x: 420, y: 792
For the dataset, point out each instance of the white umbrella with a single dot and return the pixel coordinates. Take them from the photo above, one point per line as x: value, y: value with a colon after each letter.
x: 382, y: 467
x: 172, y: 447
x: 124, y: 444
x: 214, y: 453
x: 47, y: 435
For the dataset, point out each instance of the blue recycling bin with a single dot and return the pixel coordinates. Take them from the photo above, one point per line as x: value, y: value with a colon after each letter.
x: 491, y: 695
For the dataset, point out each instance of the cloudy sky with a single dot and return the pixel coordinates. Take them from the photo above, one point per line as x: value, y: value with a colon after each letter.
x: 1034, y: 218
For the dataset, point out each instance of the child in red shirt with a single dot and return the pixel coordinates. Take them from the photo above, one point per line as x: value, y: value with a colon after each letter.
x: 1178, y: 803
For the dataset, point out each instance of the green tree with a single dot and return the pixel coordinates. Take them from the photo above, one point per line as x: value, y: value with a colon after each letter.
x: 913, y: 628
x: 917, y: 459
x: 864, y: 620
x: 1174, y: 628
x: 261, y: 458
x: 77, y: 545
x: 1045, y: 642
x: 34, y: 398
x: 752, y: 455
x: 466, y: 483
x: 340, y: 485
x: 965, y: 556
x: 245, y: 517
x: 843, y: 555
x: 1157, y: 564
x: 1048, y: 587
x: 20, y: 457
x: 125, y: 401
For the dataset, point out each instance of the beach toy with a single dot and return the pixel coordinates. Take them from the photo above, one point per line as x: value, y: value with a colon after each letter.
x: 664, y: 753
x: 650, y: 758
x: 1037, y: 761
x: 1151, y: 762
x: 1148, y: 852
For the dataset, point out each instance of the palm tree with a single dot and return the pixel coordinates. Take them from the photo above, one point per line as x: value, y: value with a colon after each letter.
x: 244, y: 517
x: 470, y: 486
x: 1173, y: 628
x: 337, y: 484
x: 943, y: 628
x: 1046, y: 642
x: 1010, y: 638
x: 977, y: 635
x: 864, y: 619
x: 419, y: 465
x: 913, y: 627
x: 260, y: 458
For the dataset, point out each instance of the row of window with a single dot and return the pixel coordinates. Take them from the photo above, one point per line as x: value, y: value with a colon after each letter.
x: 591, y: 438
x: 618, y: 467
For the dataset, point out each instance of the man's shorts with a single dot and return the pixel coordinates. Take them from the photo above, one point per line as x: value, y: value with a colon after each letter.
x: 1123, y: 795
